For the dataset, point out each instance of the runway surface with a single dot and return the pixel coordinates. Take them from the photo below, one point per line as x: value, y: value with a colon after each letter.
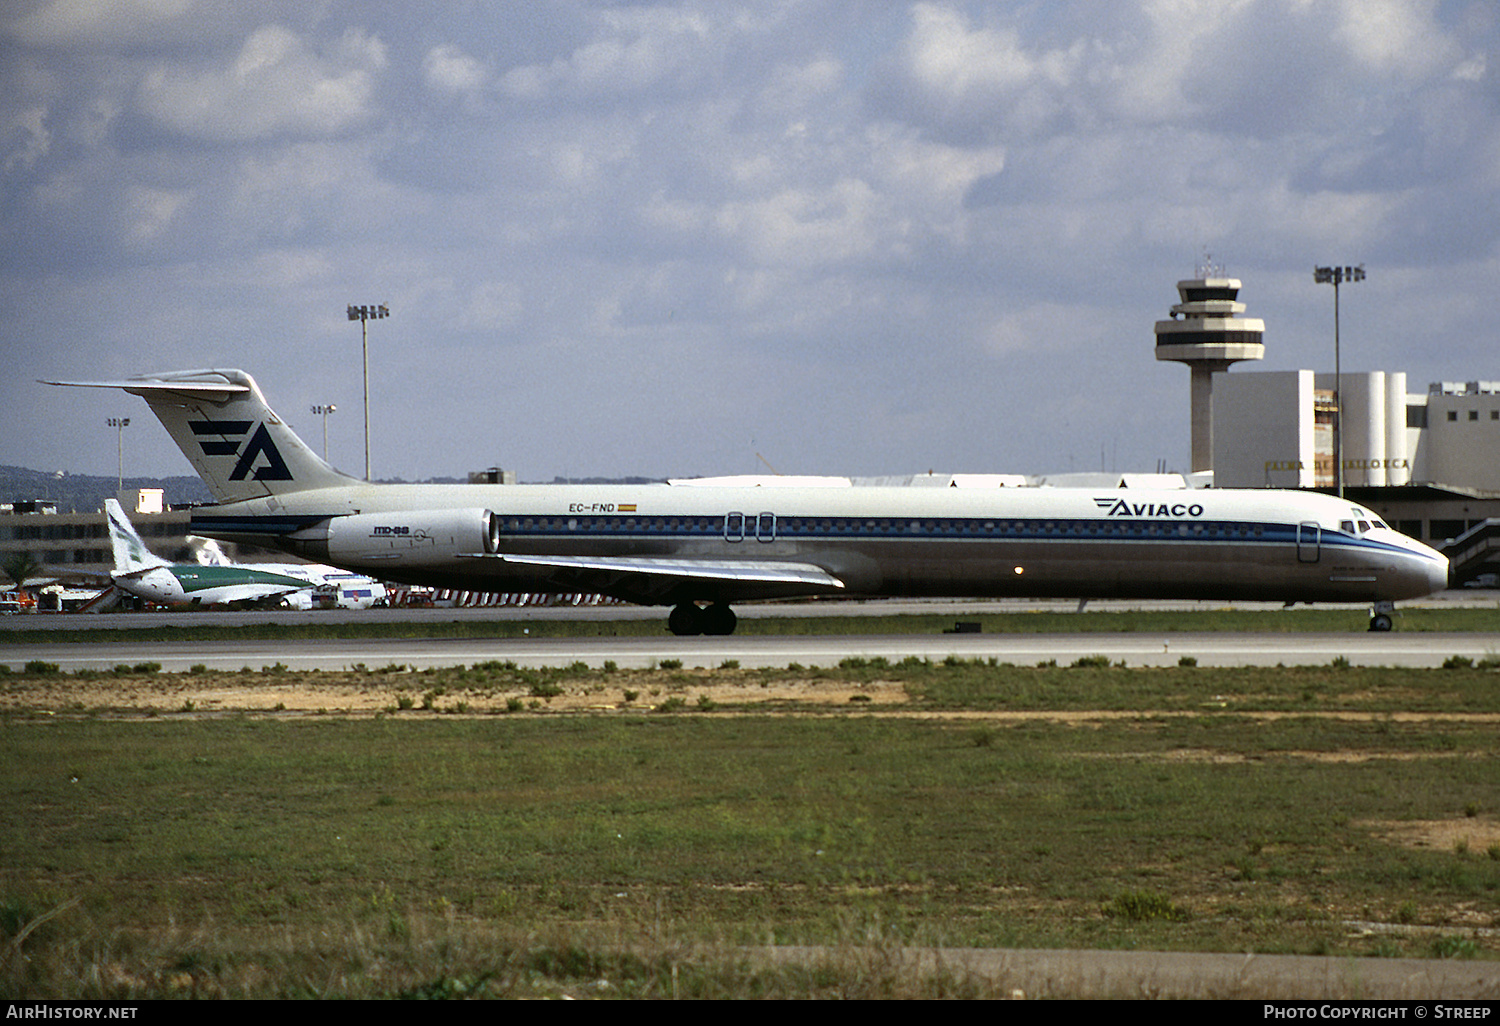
x: 1134, y: 649
x: 1425, y: 650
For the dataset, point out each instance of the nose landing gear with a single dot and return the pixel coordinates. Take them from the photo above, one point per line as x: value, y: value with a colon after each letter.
x: 1380, y: 616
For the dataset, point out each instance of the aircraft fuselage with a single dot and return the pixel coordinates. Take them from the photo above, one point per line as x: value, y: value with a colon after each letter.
x: 1224, y: 544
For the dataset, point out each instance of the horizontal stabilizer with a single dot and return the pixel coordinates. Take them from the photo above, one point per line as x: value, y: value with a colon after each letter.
x: 137, y: 573
x: 211, y: 390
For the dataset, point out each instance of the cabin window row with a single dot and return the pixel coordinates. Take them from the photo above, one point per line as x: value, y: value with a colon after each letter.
x: 735, y: 526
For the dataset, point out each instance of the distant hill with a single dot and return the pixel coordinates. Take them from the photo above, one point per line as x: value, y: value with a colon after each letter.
x: 85, y: 493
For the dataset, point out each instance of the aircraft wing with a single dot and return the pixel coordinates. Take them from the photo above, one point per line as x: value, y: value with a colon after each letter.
x: 249, y: 592
x: 651, y: 576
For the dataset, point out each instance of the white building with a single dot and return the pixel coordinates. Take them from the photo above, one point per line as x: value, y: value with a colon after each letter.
x: 1275, y: 429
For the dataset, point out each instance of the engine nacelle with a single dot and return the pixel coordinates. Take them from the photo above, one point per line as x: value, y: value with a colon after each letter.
x: 416, y: 536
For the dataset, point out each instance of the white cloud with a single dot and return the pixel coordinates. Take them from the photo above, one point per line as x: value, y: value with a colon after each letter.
x: 952, y: 59
x: 293, y: 268
x: 632, y: 50
x: 793, y: 88
x: 1471, y: 69
x: 27, y: 138
x: 492, y: 306
x: 929, y: 173
x: 1063, y: 328
x: 448, y: 70
x: 1399, y: 37
x: 277, y: 84
x: 804, y: 227
x: 973, y: 76
x: 97, y: 22
x: 149, y: 212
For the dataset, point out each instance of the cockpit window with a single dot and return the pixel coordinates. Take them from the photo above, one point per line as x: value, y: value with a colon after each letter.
x: 1347, y: 526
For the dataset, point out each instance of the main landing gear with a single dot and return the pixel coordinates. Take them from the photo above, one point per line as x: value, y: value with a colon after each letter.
x: 1380, y: 616
x: 690, y: 619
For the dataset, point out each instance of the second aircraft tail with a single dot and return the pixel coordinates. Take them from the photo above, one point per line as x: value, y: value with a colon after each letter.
x: 131, y: 554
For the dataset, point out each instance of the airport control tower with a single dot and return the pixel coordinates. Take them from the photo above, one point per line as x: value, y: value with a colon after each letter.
x: 1207, y: 333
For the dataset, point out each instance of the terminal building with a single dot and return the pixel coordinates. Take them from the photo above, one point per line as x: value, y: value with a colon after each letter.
x: 1274, y: 429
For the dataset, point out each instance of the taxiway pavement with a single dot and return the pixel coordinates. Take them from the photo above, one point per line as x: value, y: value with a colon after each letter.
x: 1413, y: 649
x: 752, y: 651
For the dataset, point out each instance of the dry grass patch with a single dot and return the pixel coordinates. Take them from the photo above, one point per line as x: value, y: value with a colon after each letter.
x: 414, y: 694
x: 1477, y: 835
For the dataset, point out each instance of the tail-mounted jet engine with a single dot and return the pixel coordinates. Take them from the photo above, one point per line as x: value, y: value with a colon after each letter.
x: 419, y: 534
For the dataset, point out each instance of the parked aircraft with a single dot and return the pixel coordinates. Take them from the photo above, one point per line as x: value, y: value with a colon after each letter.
x: 333, y: 588
x: 140, y: 572
x: 700, y: 549
x: 297, y: 585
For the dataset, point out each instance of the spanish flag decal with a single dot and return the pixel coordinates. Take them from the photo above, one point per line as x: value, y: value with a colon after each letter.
x: 627, y: 507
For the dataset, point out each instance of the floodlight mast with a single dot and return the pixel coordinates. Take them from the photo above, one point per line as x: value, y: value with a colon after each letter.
x: 120, y: 424
x: 324, y: 409
x: 1336, y: 276
x: 365, y: 314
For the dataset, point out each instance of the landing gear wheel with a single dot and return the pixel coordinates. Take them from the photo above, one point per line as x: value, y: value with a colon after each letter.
x: 1380, y: 622
x: 689, y: 619
x: 718, y: 619
x: 685, y: 620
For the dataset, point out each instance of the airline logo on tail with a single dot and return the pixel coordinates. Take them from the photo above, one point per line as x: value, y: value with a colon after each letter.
x: 224, y: 437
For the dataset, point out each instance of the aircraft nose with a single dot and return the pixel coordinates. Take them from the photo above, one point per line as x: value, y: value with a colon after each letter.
x: 1439, y: 575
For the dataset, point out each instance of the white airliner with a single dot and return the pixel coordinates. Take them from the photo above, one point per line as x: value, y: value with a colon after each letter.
x: 140, y: 572
x: 700, y: 549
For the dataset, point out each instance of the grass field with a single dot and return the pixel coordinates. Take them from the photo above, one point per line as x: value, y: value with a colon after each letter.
x: 467, y: 837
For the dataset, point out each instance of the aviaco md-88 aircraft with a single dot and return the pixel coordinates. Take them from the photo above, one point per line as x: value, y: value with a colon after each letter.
x: 699, y: 549
x: 142, y: 573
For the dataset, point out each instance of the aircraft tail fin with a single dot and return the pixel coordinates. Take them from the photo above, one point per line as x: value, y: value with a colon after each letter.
x: 231, y: 436
x: 131, y: 554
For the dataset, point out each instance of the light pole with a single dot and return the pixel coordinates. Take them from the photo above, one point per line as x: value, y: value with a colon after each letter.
x: 365, y: 314
x: 1336, y: 276
x: 325, y: 410
x: 120, y: 424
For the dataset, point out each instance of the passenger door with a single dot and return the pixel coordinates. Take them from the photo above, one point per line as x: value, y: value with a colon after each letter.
x: 1309, y: 541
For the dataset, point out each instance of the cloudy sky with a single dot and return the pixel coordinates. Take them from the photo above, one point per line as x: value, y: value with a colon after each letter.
x: 825, y: 236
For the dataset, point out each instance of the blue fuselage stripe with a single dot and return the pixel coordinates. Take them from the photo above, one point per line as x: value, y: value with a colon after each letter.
x: 752, y: 528
x: 818, y: 529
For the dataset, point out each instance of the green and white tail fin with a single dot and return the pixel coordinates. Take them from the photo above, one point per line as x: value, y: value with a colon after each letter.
x: 231, y: 436
x: 131, y: 554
